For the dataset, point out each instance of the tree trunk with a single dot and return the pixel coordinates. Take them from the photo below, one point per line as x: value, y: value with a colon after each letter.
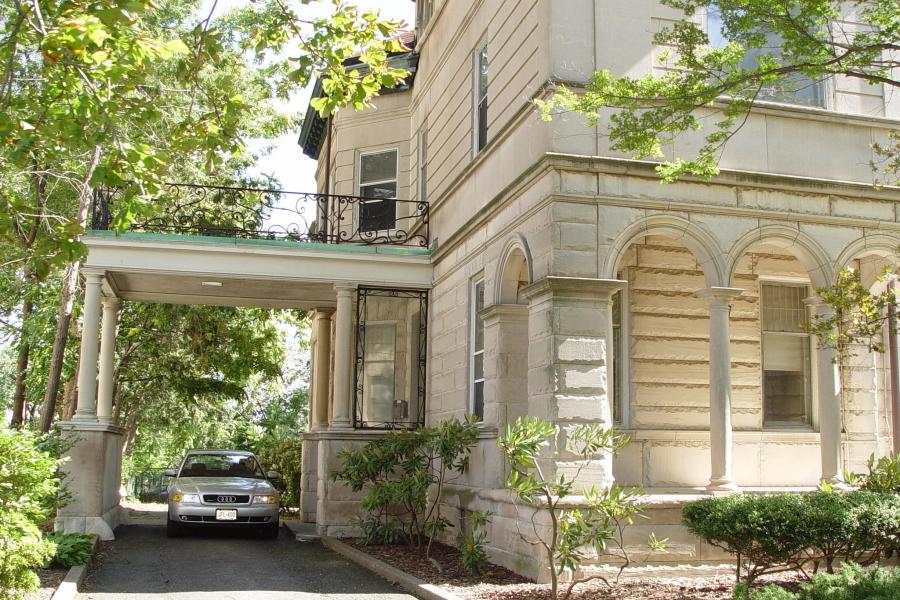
x: 63, y: 318
x: 70, y: 397
x: 18, y: 411
x: 70, y: 284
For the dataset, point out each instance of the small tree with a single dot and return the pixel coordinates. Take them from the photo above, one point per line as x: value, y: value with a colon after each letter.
x: 397, y: 473
x: 857, y: 320
x: 593, y: 520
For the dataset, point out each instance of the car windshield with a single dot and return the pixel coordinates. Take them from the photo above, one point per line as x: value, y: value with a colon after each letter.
x: 221, y: 465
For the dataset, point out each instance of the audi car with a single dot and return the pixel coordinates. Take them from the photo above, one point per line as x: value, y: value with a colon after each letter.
x: 222, y: 487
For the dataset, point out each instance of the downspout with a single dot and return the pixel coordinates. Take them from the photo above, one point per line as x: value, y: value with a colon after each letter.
x: 895, y: 368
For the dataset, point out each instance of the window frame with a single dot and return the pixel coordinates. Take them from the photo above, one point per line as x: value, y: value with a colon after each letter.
x: 811, y: 421
x: 620, y: 384
x: 824, y: 88
x: 478, y: 96
x: 357, y: 213
x: 472, y: 352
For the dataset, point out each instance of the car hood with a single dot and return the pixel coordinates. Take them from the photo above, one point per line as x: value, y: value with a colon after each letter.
x: 222, y: 485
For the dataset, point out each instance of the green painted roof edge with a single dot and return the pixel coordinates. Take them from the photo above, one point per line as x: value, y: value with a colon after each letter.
x: 207, y: 239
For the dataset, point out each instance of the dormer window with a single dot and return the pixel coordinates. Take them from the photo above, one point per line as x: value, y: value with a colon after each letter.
x: 378, y: 188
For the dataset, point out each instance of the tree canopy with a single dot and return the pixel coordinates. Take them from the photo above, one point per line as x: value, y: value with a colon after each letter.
x: 725, y: 56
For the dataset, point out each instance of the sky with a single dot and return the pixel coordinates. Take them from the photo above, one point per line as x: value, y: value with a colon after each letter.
x: 286, y: 162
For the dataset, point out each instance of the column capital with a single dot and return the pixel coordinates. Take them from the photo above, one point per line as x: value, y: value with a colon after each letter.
x: 323, y: 313
x: 583, y: 287
x: 111, y: 302
x: 719, y: 295
x: 94, y: 277
x: 502, y: 312
x: 345, y: 288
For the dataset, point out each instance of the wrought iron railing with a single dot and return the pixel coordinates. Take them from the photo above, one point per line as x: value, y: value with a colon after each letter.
x: 259, y: 213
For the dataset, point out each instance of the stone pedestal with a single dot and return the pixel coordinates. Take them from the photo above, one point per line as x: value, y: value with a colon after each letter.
x: 93, y: 474
x: 309, y: 477
x: 569, y: 353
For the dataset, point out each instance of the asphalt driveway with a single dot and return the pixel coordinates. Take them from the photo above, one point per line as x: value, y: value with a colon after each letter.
x: 228, y: 565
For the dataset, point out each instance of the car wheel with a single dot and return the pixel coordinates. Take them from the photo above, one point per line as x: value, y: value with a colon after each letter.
x: 173, y: 529
x: 270, y: 531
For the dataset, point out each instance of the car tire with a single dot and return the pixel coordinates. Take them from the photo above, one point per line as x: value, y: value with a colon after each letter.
x: 270, y: 531
x: 173, y: 529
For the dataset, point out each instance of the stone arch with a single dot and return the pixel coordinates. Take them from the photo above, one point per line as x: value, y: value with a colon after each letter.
x: 513, y: 268
x: 879, y: 243
x: 703, y: 245
x: 805, y: 248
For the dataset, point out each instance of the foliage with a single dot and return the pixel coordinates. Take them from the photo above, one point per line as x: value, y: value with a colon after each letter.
x: 28, y: 486
x: 770, y: 49
x: 285, y: 457
x: 590, y: 522
x: 72, y: 549
x: 883, y: 475
x: 773, y: 533
x: 397, y: 472
x: 852, y: 583
x: 472, y: 550
x: 855, y: 318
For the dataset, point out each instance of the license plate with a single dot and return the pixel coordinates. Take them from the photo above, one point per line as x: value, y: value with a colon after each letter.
x: 223, y: 514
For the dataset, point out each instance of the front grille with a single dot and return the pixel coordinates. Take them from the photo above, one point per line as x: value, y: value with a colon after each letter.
x: 225, y: 499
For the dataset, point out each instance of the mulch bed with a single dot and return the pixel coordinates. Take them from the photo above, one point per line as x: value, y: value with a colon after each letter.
x: 50, y: 580
x: 445, y: 569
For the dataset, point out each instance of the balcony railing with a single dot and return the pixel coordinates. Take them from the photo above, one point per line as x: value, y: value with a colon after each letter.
x: 258, y: 213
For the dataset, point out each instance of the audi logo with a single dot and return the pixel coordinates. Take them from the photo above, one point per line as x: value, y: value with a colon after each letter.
x: 226, y: 499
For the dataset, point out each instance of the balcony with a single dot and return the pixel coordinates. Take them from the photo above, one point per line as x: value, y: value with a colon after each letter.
x: 266, y: 214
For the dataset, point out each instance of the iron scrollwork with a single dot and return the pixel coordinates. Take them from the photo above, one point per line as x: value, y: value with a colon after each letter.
x: 260, y: 213
x: 364, y: 294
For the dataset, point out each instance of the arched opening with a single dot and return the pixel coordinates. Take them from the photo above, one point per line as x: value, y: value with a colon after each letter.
x: 514, y: 277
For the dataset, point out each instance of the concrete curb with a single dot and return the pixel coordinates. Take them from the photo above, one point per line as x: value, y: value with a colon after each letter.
x: 68, y: 587
x: 413, y: 585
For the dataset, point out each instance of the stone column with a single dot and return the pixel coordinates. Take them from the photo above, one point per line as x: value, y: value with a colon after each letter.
x: 343, y: 365
x: 829, y: 397
x: 87, y: 369
x: 570, y: 340
x: 505, y: 363
x: 105, y: 384
x: 321, y: 368
x: 720, y: 434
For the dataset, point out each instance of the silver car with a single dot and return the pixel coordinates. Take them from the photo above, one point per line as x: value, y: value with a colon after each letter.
x: 222, y: 487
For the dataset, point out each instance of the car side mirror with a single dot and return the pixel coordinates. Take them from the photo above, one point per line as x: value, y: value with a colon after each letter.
x: 273, y: 475
x: 170, y: 473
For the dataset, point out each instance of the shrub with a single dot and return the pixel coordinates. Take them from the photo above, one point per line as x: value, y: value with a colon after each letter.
x: 72, y: 549
x: 471, y: 546
x: 28, y: 489
x: 592, y: 523
x: 789, y: 531
x: 397, y: 471
x: 852, y: 583
x: 883, y: 475
x: 286, y: 458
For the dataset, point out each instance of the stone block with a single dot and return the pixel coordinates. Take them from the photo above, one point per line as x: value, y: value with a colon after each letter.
x: 575, y: 236
x: 582, y: 378
x: 580, y: 349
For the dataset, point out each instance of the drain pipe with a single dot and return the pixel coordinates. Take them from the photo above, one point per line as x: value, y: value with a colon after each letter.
x: 895, y: 368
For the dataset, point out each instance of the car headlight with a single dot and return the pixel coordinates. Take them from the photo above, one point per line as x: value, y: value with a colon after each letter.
x: 186, y: 498
x: 265, y: 500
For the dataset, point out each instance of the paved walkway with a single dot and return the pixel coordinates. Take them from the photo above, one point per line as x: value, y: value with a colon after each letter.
x: 144, y: 564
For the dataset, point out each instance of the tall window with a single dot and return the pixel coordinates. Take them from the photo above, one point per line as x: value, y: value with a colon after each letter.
x: 423, y: 166
x: 616, y: 374
x: 794, y: 88
x: 476, y: 345
x: 424, y: 9
x: 785, y: 354
x: 480, y: 88
x: 378, y: 187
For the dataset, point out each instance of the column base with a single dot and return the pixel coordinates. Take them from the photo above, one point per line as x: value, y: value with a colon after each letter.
x: 838, y: 484
x: 722, y: 485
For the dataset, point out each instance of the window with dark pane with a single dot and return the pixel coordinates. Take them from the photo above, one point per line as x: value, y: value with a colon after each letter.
x: 785, y: 354
x: 617, y: 347
x: 378, y: 188
x: 477, y: 346
x: 481, y: 98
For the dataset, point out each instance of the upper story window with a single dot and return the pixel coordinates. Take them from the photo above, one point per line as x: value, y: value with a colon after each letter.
x: 424, y: 10
x: 476, y: 346
x: 785, y: 355
x: 378, y: 185
x: 480, y: 89
x: 794, y: 88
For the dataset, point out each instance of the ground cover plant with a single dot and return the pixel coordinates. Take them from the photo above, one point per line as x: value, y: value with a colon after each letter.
x: 797, y: 532
x: 597, y: 517
x: 396, y: 473
x: 852, y: 583
x: 70, y: 549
